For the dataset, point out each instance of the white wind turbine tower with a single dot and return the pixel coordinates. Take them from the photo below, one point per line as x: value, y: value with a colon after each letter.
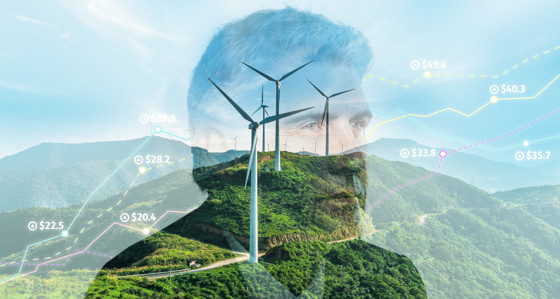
x: 263, y: 107
x: 277, y: 166
x: 316, y: 145
x: 252, y: 167
x: 285, y: 144
x: 326, y: 111
x: 234, y: 143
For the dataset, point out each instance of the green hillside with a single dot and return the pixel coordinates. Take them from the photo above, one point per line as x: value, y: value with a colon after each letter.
x: 61, y: 175
x: 316, y: 196
x: 165, y: 252
x: 352, y: 269
x: 464, y: 242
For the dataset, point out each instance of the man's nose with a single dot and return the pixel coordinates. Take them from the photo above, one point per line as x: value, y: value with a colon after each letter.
x: 341, y: 135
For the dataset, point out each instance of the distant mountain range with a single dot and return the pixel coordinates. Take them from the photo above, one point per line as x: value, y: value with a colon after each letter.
x: 484, y: 173
x: 465, y: 242
x: 60, y: 175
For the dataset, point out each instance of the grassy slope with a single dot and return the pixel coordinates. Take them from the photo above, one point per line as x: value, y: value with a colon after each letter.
x: 352, y: 269
x: 313, y: 194
x: 165, y: 252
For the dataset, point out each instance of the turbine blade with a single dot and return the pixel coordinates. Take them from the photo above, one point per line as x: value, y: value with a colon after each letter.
x: 324, y: 113
x: 339, y: 93
x: 253, y: 149
x: 259, y: 72
x: 290, y: 73
x: 279, y: 116
x: 266, y: 112
x: 241, y: 111
x: 317, y: 88
x: 256, y: 111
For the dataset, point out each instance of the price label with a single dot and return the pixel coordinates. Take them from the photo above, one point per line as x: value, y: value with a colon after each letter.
x: 532, y: 155
x: 137, y: 217
x: 151, y: 159
x: 157, y: 118
x: 428, y: 64
x: 45, y: 225
x: 418, y: 152
x: 508, y: 89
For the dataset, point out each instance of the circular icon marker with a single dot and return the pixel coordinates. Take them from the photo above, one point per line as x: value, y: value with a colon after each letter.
x: 443, y: 154
x: 158, y: 129
x: 138, y: 159
x: 64, y: 234
x: 519, y: 156
x: 142, y: 169
x: 415, y: 65
x: 124, y: 217
x: 525, y: 143
x: 144, y: 119
x: 404, y: 153
x: 427, y: 74
x: 146, y: 231
x: 494, y: 89
x: 32, y: 226
x: 494, y: 99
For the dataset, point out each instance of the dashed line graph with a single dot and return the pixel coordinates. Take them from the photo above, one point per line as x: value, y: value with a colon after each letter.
x: 65, y: 233
x: 505, y: 72
x: 465, y: 147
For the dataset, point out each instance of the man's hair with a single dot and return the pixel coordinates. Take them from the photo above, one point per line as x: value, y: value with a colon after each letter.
x: 268, y: 40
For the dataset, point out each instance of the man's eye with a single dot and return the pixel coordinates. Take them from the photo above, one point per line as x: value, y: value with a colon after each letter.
x: 311, y: 126
x: 358, y: 124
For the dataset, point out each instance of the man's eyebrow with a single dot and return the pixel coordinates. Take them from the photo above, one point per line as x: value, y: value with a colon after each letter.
x: 319, y: 115
x: 362, y: 114
x: 306, y: 116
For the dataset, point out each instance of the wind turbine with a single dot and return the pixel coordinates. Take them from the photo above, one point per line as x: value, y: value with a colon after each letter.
x: 252, y: 167
x: 326, y: 111
x: 263, y: 107
x: 285, y: 144
x: 234, y: 143
x: 316, y: 145
x: 277, y: 166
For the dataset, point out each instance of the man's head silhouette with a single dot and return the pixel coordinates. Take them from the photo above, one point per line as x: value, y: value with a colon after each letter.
x: 278, y: 41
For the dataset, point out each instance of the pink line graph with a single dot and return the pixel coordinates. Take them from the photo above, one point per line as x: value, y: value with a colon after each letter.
x: 90, y: 244
x: 460, y: 149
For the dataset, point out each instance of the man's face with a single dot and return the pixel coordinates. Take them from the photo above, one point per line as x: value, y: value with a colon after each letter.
x: 349, y: 114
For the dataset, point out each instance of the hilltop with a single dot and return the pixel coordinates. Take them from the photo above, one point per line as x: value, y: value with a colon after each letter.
x: 60, y: 174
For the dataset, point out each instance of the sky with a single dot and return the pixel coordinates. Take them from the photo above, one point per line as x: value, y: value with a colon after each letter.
x: 80, y: 71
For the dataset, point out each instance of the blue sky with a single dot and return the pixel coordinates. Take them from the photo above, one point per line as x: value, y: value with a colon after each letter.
x: 68, y: 68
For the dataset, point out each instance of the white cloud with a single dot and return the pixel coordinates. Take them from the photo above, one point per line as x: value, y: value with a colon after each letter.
x: 37, y: 22
x: 16, y: 86
x: 111, y: 12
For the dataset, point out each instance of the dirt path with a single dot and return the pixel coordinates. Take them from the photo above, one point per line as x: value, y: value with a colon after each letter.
x: 156, y: 275
x: 244, y: 256
x: 354, y: 238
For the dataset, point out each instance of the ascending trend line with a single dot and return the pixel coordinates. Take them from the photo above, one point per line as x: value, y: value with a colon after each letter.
x: 90, y: 244
x: 463, y: 75
x: 81, y: 209
x: 157, y: 130
x: 462, y: 113
x: 105, y: 181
